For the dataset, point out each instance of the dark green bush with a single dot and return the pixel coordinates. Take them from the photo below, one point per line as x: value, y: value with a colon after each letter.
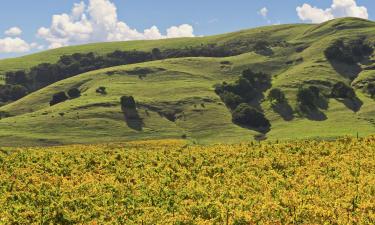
x: 257, y: 80
x: 101, y: 90
x: 12, y: 92
x: 308, y: 97
x: 74, y: 93
x: 230, y: 99
x: 58, y: 98
x: 276, y: 96
x: 246, y: 115
x: 128, y: 102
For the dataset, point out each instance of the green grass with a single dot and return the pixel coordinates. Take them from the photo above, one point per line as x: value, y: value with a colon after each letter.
x: 185, y: 84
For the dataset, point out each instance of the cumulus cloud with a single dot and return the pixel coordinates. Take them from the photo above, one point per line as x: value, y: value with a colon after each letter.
x: 339, y: 8
x: 13, y: 31
x: 98, y: 21
x: 14, y: 45
x: 263, y: 12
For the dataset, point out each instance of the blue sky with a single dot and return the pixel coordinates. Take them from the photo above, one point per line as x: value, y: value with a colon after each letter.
x: 199, y: 17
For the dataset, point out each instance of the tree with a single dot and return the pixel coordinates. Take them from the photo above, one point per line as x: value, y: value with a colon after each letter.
x: 306, y: 97
x: 58, y: 98
x: 17, y: 92
x: 230, y: 99
x: 276, y: 96
x: 259, y: 81
x: 339, y: 52
x: 12, y: 92
x: 156, y: 54
x: 246, y: 115
x: 128, y: 102
x: 350, y: 53
x: 74, y: 93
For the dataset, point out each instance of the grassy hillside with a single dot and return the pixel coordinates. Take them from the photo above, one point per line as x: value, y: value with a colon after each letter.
x: 184, y: 87
x: 171, y: 182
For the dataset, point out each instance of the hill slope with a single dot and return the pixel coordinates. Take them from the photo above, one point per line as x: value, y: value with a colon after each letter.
x: 176, y: 97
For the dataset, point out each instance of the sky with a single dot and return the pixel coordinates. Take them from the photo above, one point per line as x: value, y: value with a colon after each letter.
x: 31, y: 26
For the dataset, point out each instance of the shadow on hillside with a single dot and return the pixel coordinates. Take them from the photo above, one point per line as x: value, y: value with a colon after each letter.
x: 349, y: 71
x: 132, y: 119
x: 322, y: 103
x: 316, y: 115
x: 262, y: 130
x: 354, y: 104
x: 284, y: 110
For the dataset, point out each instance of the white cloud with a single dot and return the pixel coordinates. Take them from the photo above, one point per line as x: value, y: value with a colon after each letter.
x: 13, y: 31
x: 184, y: 30
x: 98, y: 21
x: 339, y: 8
x: 263, y: 12
x: 342, y: 8
x: 313, y: 14
x: 14, y: 45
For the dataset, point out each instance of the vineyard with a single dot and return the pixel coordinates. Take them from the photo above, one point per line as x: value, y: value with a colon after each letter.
x: 173, y: 182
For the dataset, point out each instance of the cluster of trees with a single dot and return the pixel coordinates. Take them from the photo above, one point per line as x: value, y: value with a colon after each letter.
x: 210, y: 50
x: 311, y: 98
x: 70, y: 65
x: 352, y: 52
x: 10, y: 93
x: 62, y: 96
x: 239, y: 94
x: 245, y: 89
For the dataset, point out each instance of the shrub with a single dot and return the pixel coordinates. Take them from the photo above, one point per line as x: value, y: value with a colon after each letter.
x: 246, y: 115
x: 19, y: 77
x: 12, y: 92
x: 58, y: 98
x: 230, y: 99
x: 156, y: 54
x: 74, y: 93
x: 307, y: 97
x: 259, y: 81
x: 128, y: 102
x: 341, y: 90
x: 101, y: 90
x: 261, y: 45
x: 276, y: 96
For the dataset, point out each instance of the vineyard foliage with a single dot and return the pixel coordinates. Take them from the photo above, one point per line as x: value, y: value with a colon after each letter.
x: 174, y: 182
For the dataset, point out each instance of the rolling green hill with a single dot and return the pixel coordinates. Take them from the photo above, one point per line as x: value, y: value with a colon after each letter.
x: 184, y: 88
